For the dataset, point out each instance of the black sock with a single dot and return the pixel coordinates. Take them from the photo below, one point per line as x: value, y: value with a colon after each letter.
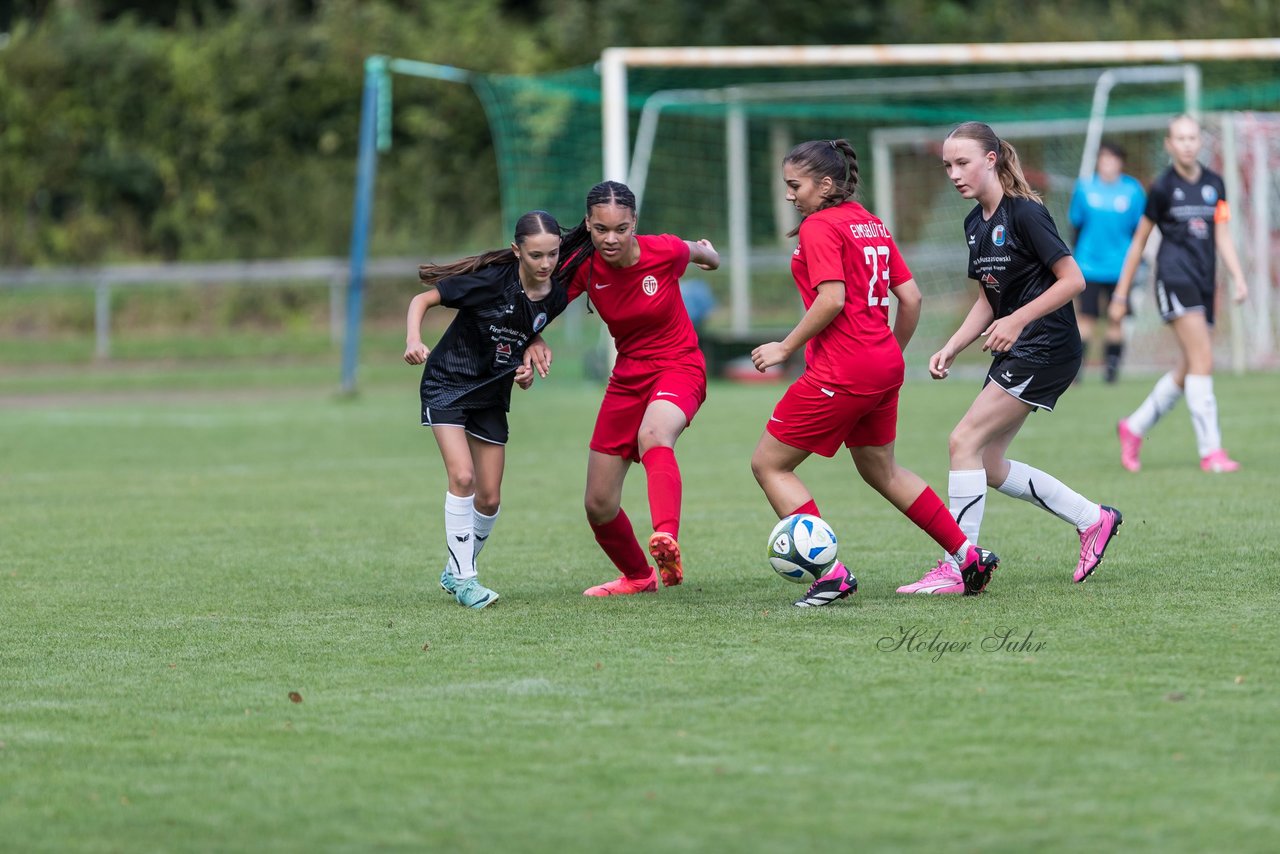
x: 1112, y: 354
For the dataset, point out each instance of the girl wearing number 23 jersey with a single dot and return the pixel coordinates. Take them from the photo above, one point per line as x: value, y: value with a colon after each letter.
x: 845, y: 266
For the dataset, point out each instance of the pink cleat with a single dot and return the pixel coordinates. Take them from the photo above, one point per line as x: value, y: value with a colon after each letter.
x: 623, y: 586
x: 1094, y: 540
x: 976, y: 570
x: 837, y: 584
x: 1130, y: 446
x: 943, y: 578
x: 1218, y: 461
x: 666, y: 553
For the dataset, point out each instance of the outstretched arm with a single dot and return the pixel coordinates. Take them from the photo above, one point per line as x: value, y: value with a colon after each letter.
x: 702, y: 253
x: 978, y: 319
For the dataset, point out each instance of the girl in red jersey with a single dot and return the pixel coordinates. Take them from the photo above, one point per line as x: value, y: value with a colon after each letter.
x: 658, y: 382
x: 845, y: 266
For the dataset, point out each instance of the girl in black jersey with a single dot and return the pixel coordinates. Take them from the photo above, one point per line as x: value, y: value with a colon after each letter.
x: 504, y: 298
x: 1189, y: 205
x: 1027, y: 279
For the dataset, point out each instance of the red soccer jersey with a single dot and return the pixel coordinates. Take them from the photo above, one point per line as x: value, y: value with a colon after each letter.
x: 641, y: 304
x: 856, y: 352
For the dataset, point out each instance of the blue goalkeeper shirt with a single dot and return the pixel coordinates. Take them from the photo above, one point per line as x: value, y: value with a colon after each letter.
x: 1105, y: 216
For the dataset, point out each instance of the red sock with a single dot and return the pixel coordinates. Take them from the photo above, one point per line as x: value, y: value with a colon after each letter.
x: 933, y: 517
x: 810, y: 507
x: 618, y: 540
x: 664, y: 489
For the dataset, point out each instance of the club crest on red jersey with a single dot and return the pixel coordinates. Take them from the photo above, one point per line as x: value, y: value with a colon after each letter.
x: 650, y: 285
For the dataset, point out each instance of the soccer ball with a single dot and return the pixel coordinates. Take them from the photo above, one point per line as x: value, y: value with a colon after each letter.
x: 802, y: 548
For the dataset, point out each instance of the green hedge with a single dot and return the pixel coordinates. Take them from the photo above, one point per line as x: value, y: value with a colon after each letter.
x: 237, y: 138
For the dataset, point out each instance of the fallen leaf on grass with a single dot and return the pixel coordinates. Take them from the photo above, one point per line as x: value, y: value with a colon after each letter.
x: 295, y: 697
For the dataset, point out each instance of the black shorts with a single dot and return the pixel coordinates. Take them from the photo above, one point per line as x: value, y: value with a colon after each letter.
x: 1090, y: 298
x: 1036, y: 385
x: 488, y: 424
x: 1175, y: 300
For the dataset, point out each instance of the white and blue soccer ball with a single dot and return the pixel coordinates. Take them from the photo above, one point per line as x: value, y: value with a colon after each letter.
x: 802, y: 548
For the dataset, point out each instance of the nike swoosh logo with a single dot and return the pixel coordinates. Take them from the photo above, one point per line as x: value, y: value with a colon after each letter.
x: 779, y: 420
x: 827, y: 392
x: 601, y: 287
x: 665, y: 394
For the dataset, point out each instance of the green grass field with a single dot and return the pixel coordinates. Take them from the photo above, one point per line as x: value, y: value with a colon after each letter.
x: 178, y: 554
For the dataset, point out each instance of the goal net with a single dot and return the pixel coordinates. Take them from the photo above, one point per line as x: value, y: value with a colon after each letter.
x: 703, y: 147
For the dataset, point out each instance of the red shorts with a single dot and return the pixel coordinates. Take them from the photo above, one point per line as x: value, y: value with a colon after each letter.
x: 629, y: 394
x: 819, y: 420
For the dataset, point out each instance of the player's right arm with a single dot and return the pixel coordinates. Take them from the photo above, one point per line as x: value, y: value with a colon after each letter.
x: 415, y: 352
x: 1119, y: 306
x: 978, y: 319
x: 826, y: 306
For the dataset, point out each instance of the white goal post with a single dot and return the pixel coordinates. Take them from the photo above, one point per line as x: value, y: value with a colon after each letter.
x: 1171, y: 61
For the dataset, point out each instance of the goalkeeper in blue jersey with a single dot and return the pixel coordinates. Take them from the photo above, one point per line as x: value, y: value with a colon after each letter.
x: 1105, y: 209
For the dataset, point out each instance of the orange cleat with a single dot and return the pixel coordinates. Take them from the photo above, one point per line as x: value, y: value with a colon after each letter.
x: 666, y: 553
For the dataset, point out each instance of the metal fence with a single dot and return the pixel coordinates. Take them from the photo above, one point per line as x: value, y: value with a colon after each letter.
x: 332, y: 272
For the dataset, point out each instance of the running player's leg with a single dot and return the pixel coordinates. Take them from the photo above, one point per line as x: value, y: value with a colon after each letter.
x: 490, y: 462
x: 672, y: 400
x: 1095, y: 523
x: 1196, y: 341
x: 612, y: 528
x: 1174, y: 302
x: 459, y: 503
x: 774, y: 463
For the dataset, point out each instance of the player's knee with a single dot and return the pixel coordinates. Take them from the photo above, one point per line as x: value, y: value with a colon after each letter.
x: 600, y: 510
x: 462, y: 482
x: 651, y: 437
x: 487, y: 503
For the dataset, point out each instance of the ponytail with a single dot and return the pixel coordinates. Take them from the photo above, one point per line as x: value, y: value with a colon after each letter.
x: 1008, y: 167
x: 827, y: 158
x: 534, y: 222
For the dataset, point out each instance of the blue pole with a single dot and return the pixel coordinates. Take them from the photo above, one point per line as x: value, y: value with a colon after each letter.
x: 366, y: 170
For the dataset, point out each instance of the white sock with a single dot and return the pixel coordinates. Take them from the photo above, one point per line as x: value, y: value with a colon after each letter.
x: 483, y: 525
x: 459, y: 535
x: 1162, y: 398
x: 967, y: 499
x: 1204, y: 413
x: 1049, y: 493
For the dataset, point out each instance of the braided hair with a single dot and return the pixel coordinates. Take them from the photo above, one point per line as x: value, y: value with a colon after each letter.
x: 576, y: 248
x: 827, y: 158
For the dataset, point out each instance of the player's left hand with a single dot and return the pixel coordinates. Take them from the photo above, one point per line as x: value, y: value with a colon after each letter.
x: 767, y: 355
x: 713, y: 264
x: 1241, y: 291
x: 1002, y: 334
x: 537, y: 357
x: 524, y: 377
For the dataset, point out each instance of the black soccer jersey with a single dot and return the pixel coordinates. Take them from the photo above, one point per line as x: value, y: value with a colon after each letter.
x: 1011, y: 256
x: 1185, y: 212
x: 474, y: 364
